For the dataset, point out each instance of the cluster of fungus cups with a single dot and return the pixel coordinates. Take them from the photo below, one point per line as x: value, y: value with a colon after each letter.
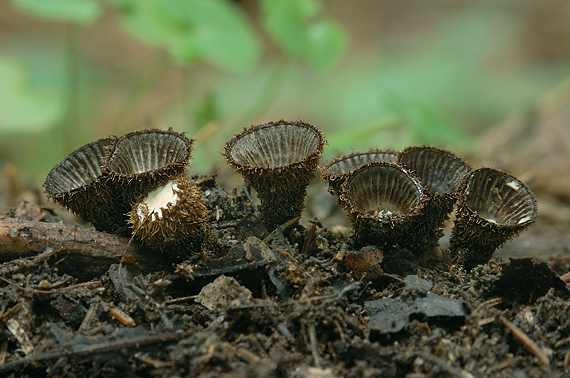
x: 136, y: 185
x: 278, y: 160
x: 402, y: 200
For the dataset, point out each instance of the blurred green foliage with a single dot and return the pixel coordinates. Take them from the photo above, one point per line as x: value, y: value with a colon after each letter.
x: 79, y: 11
x: 192, y: 30
x: 415, y: 90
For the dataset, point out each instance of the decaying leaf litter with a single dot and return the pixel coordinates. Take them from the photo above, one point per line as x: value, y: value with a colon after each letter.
x: 298, y: 301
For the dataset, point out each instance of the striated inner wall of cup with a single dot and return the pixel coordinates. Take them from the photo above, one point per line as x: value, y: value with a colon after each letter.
x: 439, y: 171
x: 148, y: 151
x: 275, y: 146
x: 499, y: 198
x: 384, y: 190
x: 349, y: 163
x: 79, y: 169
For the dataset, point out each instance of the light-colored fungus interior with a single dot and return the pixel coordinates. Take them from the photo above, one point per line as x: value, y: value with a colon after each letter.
x: 77, y: 170
x: 384, y: 191
x: 275, y: 146
x: 499, y: 199
x: 157, y: 200
x: 147, y: 152
x: 440, y: 172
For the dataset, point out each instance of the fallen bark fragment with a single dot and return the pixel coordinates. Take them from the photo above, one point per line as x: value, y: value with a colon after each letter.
x: 79, y: 249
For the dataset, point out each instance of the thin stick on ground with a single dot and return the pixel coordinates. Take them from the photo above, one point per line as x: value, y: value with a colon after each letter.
x: 527, y: 341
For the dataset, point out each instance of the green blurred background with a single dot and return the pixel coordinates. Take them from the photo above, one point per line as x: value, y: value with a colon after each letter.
x: 385, y: 74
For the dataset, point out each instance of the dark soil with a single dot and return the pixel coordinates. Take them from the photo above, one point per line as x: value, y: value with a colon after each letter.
x: 297, y: 302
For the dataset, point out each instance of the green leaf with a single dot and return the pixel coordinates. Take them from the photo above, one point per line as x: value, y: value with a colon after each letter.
x: 424, y: 123
x: 301, y: 29
x: 212, y: 30
x: 79, y: 11
x: 22, y: 107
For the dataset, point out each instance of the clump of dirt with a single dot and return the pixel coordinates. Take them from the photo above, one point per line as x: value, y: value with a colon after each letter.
x: 294, y: 302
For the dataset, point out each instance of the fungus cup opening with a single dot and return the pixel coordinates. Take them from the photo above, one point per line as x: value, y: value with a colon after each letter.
x: 343, y: 165
x: 383, y: 191
x: 440, y: 171
x: 276, y: 145
x: 79, y: 169
x: 499, y: 198
x: 149, y: 150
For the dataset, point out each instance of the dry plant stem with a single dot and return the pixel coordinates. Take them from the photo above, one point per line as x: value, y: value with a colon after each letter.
x: 527, y: 341
x: 83, y: 249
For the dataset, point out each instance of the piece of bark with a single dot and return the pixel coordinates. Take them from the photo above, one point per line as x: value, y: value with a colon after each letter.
x: 82, y: 250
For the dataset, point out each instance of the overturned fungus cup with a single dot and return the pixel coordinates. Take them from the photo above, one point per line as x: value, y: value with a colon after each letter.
x: 382, y: 201
x: 279, y: 160
x: 494, y: 207
x: 81, y: 185
x: 337, y: 170
x: 172, y: 219
x: 441, y: 174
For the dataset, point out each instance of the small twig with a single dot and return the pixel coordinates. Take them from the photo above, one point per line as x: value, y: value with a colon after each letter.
x: 179, y: 300
x: 527, y: 341
x: 7, y: 315
x: 559, y: 343
x: 489, y: 304
x: 506, y: 363
x: 97, y: 349
x: 284, y: 252
x: 314, y: 344
x: 309, y: 240
x: 60, y: 291
x: 445, y: 365
x: 281, y: 229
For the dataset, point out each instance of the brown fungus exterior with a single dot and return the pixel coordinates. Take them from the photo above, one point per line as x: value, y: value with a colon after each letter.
x: 383, y: 202
x: 279, y: 160
x: 80, y: 184
x: 172, y: 219
x: 337, y: 170
x: 493, y: 208
x: 141, y: 161
x: 441, y: 173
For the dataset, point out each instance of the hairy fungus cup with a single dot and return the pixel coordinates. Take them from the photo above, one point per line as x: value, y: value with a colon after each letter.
x: 494, y: 207
x: 172, y: 219
x: 143, y: 160
x: 382, y: 201
x: 279, y: 160
x: 337, y: 170
x: 80, y: 184
x: 441, y: 173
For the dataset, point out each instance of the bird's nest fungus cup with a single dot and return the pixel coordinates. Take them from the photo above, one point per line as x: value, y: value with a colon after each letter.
x: 494, y: 207
x: 337, y: 170
x: 143, y: 160
x: 81, y: 185
x: 383, y: 201
x: 441, y: 173
x: 278, y: 160
x: 172, y: 219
